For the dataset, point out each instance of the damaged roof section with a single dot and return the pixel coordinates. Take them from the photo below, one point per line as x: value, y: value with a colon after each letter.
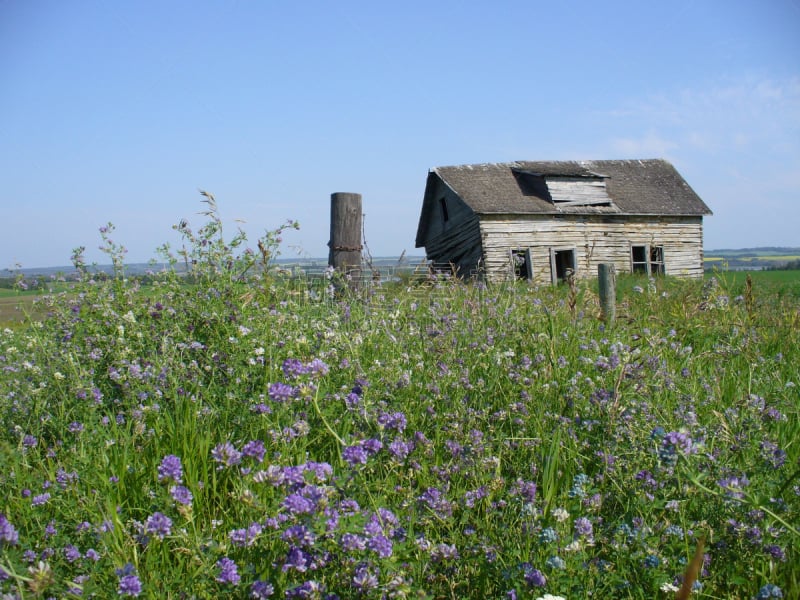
x: 566, y: 193
x: 633, y: 187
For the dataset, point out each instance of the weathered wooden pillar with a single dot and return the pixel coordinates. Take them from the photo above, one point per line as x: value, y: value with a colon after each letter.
x: 607, y: 285
x: 345, y: 244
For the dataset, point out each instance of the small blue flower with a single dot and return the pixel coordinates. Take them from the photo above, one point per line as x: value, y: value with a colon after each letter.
x: 769, y: 591
x: 556, y: 562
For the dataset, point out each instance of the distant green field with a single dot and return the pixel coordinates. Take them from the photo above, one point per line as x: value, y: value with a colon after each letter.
x: 774, y: 258
x: 774, y: 283
x: 13, y: 309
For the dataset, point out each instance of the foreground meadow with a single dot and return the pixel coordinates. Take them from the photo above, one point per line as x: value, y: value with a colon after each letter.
x: 252, y: 437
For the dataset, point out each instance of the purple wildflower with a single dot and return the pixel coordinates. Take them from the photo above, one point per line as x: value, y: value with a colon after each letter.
x: 245, y: 537
x: 395, y: 420
x: 40, y: 499
x: 679, y: 441
x: 355, y: 455
x: 472, y: 496
x: 443, y: 552
x: 317, y: 368
x: 92, y: 555
x: 129, y: 584
x: 364, y: 580
x: 352, y: 401
x: 776, y: 552
x: 533, y: 577
x: 29, y: 441
x: 583, y: 527
x: 297, y: 504
x: 281, y: 392
x: 226, y: 455
x: 733, y: 486
x: 228, y: 571
x: 525, y: 489
x: 261, y: 590
x: 434, y: 500
x: 292, y: 367
x: 255, y: 449
x: 64, y: 478
x: 181, y: 494
x: 170, y: 468
x: 297, y: 559
x: 352, y: 542
x: 321, y: 471
x: 381, y: 545
x: 294, y: 476
x: 773, y: 454
x: 71, y: 553
x: 159, y: 525
x: 308, y: 589
x: 372, y: 446
x: 299, y: 535
x: 8, y: 534
x: 400, y: 449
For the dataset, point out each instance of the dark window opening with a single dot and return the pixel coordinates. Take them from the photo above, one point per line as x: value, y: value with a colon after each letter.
x: 562, y: 264
x: 647, y: 260
x: 443, y: 204
x: 639, y: 259
x: 521, y: 263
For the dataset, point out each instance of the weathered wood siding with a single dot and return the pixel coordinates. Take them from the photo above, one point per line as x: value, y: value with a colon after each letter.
x: 601, y: 239
x: 456, y: 241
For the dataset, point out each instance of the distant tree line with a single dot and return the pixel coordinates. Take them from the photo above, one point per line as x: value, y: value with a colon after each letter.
x: 792, y: 265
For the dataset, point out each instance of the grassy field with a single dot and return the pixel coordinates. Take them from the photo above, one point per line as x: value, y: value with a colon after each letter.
x: 15, y: 308
x: 270, y: 438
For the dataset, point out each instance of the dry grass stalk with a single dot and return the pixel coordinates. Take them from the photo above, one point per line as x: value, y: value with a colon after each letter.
x: 692, y: 571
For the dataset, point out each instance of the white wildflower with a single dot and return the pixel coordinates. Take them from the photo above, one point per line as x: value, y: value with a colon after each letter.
x: 560, y: 514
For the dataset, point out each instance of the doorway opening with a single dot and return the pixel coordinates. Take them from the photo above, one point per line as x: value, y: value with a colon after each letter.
x: 562, y: 264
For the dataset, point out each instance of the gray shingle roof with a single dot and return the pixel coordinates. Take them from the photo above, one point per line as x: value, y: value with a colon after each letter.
x: 635, y: 187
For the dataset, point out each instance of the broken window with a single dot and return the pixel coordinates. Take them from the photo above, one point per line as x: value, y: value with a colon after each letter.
x: 521, y: 264
x: 443, y: 204
x: 648, y: 260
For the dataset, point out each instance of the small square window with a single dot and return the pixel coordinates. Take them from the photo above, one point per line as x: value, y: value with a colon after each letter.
x: 647, y: 260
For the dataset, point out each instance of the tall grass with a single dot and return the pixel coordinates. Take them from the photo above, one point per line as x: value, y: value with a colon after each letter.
x: 249, y: 436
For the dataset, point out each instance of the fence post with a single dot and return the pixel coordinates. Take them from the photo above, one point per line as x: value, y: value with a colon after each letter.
x: 607, y: 284
x: 345, y: 243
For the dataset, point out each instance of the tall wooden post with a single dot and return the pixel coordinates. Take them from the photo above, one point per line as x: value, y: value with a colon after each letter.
x: 345, y: 244
x: 607, y: 285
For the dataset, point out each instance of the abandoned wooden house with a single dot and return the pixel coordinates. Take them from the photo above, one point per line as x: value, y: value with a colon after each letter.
x: 541, y: 221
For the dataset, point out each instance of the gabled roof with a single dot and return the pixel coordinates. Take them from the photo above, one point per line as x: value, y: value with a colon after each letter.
x: 634, y: 187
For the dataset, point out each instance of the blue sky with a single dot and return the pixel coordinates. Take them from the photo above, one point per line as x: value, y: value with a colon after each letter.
x: 121, y: 111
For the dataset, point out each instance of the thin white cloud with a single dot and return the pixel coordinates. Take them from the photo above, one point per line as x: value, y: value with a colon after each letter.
x: 651, y: 144
x: 738, y: 144
x: 720, y: 117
